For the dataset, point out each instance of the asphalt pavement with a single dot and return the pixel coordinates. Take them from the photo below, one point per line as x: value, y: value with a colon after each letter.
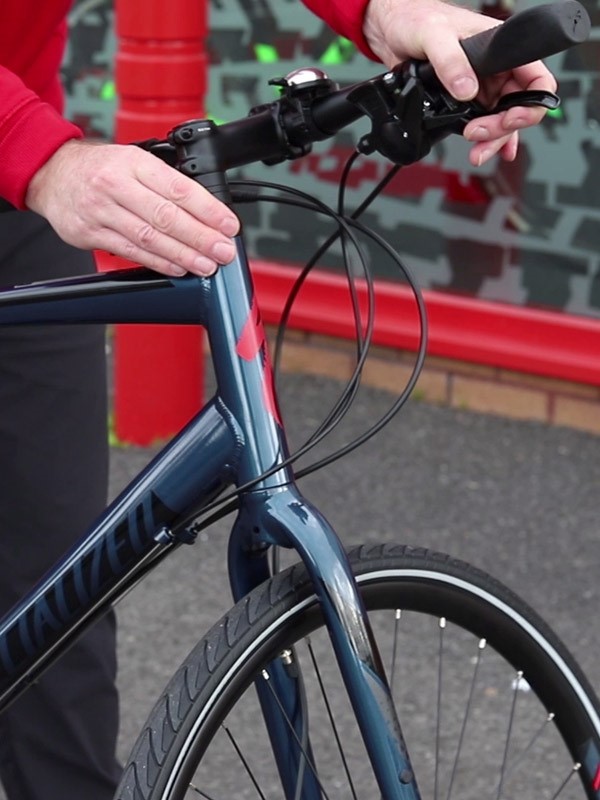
x: 521, y: 500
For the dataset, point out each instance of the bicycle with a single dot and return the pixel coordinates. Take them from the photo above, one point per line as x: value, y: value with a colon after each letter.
x: 263, y: 649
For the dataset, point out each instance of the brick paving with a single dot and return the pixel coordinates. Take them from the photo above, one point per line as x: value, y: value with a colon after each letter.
x: 457, y: 384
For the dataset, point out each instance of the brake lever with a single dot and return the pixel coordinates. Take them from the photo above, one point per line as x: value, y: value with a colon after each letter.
x: 409, y: 114
x: 537, y: 97
x: 447, y: 115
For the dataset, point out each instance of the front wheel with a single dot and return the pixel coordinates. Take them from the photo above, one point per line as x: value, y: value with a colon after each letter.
x: 491, y: 703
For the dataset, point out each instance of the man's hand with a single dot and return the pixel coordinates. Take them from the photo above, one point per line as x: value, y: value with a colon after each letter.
x: 124, y: 200
x: 431, y: 29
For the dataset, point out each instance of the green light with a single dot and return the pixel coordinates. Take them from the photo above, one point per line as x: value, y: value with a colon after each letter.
x: 266, y: 53
x: 339, y: 52
x: 108, y: 91
x: 216, y: 120
x: 556, y: 113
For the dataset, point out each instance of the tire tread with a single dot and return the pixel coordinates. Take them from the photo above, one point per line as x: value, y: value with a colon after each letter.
x: 198, y: 670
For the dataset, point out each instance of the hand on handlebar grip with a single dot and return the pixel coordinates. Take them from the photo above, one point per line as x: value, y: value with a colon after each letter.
x: 474, y: 56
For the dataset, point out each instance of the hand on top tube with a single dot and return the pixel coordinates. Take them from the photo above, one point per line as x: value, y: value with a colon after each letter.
x: 430, y: 29
x: 121, y: 199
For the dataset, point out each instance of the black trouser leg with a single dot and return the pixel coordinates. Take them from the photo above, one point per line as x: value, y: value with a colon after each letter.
x: 58, y: 739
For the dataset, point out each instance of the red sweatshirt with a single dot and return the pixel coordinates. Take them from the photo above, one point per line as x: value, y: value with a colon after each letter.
x: 32, y: 40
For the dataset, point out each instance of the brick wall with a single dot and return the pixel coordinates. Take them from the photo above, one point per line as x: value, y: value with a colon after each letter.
x: 454, y: 383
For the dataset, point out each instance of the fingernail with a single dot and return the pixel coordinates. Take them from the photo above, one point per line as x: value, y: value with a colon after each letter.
x: 229, y: 226
x: 177, y: 272
x: 483, y: 157
x: 223, y: 252
x: 515, y: 124
x: 204, y: 265
x: 464, y: 88
x: 479, y: 134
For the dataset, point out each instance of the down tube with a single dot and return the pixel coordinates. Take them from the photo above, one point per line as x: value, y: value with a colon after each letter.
x: 140, y: 524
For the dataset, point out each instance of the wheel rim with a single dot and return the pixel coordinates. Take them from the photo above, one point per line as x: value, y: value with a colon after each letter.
x: 473, y: 726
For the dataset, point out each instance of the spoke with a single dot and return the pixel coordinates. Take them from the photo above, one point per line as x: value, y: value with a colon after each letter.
x: 480, y: 647
x: 511, y: 719
x: 574, y: 771
x: 288, y: 722
x: 244, y: 762
x: 442, y: 627
x: 200, y: 792
x: 515, y: 762
x: 395, y: 647
x: 331, y: 720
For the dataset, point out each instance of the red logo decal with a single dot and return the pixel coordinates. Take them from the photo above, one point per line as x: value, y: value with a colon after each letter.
x: 252, y: 341
x: 252, y: 337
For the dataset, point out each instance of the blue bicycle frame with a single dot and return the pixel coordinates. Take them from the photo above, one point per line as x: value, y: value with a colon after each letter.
x: 235, y: 439
x: 238, y: 439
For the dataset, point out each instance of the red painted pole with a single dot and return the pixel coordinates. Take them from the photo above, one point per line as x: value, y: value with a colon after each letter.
x: 161, y: 77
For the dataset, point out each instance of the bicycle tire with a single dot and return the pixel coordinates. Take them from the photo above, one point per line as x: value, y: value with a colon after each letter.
x: 431, y: 589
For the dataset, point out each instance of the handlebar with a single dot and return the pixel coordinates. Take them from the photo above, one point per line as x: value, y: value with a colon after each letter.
x: 408, y: 107
x: 530, y: 35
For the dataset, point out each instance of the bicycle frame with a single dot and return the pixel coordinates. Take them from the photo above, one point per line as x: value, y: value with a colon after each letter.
x: 234, y: 439
x: 238, y: 438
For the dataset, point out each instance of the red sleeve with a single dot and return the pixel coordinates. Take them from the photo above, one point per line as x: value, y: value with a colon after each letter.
x: 30, y: 132
x: 345, y: 17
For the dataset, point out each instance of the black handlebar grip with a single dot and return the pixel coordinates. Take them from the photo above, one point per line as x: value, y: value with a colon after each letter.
x: 532, y: 34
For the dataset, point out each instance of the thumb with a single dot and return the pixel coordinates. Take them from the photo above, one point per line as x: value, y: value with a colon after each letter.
x: 455, y: 73
x: 451, y: 64
x: 462, y: 87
